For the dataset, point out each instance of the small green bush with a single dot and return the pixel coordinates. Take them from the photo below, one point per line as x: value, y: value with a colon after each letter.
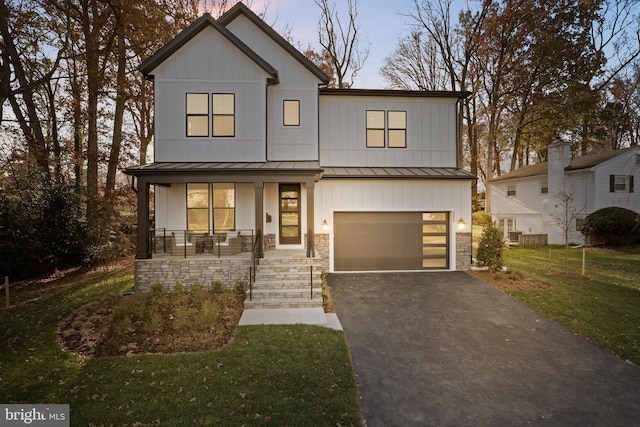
x: 156, y: 290
x: 612, y: 226
x: 217, y: 286
x: 239, y: 288
x: 490, y: 248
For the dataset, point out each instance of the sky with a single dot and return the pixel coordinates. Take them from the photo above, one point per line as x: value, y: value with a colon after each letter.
x: 381, y: 26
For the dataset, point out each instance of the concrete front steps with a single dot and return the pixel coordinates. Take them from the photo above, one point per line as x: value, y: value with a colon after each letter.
x: 283, y: 283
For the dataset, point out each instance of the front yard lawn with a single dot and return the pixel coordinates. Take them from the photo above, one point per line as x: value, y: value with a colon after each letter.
x: 603, y: 305
x: 278, y: 375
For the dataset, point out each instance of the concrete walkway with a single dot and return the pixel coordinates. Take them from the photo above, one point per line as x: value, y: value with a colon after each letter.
x: 290, y: 316
x: 446, y: 349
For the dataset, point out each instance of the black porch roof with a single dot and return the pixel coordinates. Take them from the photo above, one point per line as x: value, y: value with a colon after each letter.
x: 304, y: 167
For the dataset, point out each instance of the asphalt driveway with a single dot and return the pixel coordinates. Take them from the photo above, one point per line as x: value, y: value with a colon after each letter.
x: 448, y: 349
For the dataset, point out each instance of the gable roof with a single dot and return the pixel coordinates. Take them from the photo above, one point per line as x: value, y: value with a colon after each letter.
x: 241, y: 9
x: 189, y: 33
x: 577, y: 163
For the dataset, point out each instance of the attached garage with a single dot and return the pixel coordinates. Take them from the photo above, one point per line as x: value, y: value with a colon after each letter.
x: 379, y: 241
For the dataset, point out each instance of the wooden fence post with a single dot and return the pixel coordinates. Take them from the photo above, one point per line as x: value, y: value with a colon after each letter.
x: 6, y: 290
x: 584, y: 260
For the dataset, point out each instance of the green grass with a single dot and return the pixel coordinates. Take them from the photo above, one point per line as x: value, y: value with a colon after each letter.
x: 278, y: 375
x: 603, y: 306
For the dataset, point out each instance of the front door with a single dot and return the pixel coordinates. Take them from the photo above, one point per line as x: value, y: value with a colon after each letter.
x: 290, y: 214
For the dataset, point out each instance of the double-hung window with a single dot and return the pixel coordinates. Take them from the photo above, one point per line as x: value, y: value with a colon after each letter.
x: 397, y: 124
x: 197, y: 114
x: 544, y: 187
x: 511, y: 190
x: 224, y: 113
x: 375, y: 129
x: 621, y: 184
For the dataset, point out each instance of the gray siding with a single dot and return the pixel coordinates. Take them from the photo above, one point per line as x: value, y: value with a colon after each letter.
x: 431, y: 132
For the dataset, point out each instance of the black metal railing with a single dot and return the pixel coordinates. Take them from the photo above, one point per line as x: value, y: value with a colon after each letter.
x: 185, y: 243
x: 255, y: 256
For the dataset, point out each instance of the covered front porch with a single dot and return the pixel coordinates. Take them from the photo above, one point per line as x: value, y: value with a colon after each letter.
x: 271, y: 206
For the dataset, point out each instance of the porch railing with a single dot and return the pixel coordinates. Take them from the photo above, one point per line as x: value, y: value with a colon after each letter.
x: 186, y: 243
x: 255, y: 257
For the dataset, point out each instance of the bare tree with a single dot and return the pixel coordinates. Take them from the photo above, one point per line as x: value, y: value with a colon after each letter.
x: 341, y: 41
x: 565, y: 216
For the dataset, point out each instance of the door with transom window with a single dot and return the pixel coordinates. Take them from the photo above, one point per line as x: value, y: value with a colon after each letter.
x: 290, y: 214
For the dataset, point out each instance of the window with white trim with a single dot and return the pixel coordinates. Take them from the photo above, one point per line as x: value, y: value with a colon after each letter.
x: 511, y: 190
x: 544, y: 187
x: 621, y: 184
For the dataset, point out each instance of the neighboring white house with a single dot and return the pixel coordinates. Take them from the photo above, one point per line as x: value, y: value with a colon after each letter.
x: 543, y: 198
x: 248, y: 138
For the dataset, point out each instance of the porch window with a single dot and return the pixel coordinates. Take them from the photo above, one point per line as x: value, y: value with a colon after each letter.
x: 197, y: 114
x: 511, y: 190
x: 397, y: 123
x: 291, y: 112
x: 375, y: 129
x: 223, y: 109
x: 198, y: 208
x: 224, y: 207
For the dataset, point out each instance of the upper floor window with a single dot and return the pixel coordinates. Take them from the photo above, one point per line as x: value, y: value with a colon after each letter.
x: 291, y: 112
x: 375, y: 129
x: 197, y: 114
x: 544, y: 187
x: 620, y: 183
x: 511, y: 190
x: 397, y: 123
x: 224, y: 112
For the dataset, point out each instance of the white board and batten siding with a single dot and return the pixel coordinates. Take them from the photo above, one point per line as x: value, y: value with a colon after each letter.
x: 366, y: 195
x: 431, y: 132
x: 296, y: 82
x: 209, y: 63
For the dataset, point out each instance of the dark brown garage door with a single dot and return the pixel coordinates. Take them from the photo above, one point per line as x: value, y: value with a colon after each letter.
x: 377, y: 241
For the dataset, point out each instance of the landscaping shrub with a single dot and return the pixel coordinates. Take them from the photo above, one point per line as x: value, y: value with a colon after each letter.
x: 490, y: 248
x: 612, y: 226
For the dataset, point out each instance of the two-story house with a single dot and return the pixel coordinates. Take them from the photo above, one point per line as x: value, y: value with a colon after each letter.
x: 555, y: 196
x: 250, y: 144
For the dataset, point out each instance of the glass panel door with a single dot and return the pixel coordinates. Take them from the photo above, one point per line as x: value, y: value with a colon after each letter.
x: 290, y: 214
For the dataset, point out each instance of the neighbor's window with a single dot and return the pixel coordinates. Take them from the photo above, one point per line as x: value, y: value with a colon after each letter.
x: 223, y: 106
x: 291, y: 112
x: 511, y: 190
x: 397, y: 123
x: 375, y: 129
x: 198, y: 208
x: 224, y: 207
x: 579, y: 221
x: 197, y: 114
x: 544, y: 187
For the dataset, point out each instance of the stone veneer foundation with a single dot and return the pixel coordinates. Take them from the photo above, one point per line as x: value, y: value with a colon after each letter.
x: 463, y: 251
x: 188, y: 272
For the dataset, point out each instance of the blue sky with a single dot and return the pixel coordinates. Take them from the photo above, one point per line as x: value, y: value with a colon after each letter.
x: 381, y: 25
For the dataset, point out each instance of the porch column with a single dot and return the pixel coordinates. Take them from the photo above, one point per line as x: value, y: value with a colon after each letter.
x: 143, y: 251
x: 310, y: 219
x: 259, y: 215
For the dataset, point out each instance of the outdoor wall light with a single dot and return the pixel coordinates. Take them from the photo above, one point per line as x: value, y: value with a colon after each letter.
x: 325, y: 225
x: 461, y: 224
